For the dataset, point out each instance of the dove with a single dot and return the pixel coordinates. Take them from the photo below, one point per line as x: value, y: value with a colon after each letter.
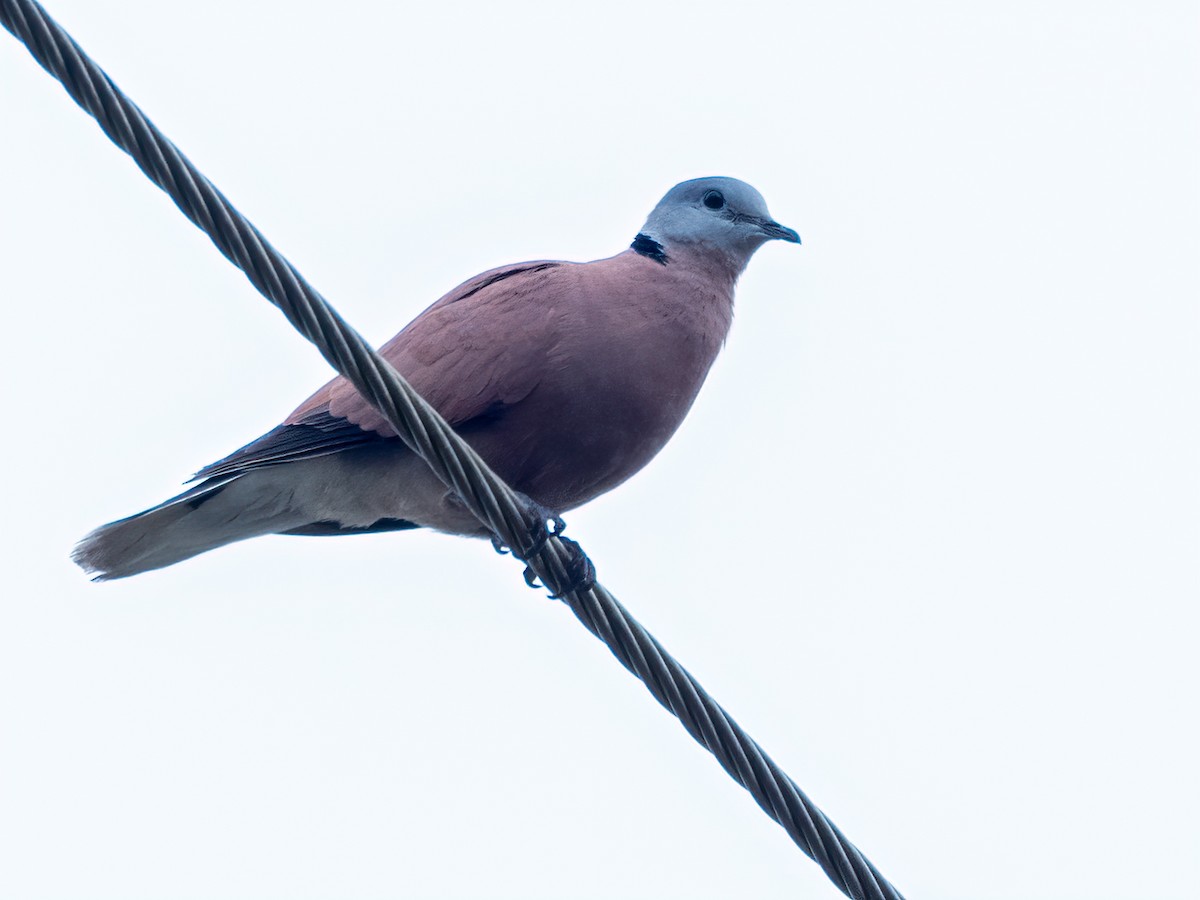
x: 567, y: 378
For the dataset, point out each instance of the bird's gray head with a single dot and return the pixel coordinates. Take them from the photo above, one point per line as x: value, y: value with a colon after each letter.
x: 723, y: 215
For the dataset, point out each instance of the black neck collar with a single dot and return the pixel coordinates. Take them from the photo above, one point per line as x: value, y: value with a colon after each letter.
x: 648, y: 246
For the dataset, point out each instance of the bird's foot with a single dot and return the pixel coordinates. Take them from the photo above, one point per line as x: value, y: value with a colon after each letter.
x: 545, y: 524
x: 581, y: 571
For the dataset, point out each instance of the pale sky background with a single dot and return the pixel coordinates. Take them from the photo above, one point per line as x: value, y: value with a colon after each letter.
x: 930, y: 533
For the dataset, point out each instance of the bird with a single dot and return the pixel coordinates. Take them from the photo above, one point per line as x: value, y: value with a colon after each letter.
x: 567, y: 378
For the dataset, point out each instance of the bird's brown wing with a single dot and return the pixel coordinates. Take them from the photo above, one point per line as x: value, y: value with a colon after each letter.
x: 478, y: 349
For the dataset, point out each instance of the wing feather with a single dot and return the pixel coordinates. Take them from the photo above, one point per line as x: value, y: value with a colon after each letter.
x: 472, y: 353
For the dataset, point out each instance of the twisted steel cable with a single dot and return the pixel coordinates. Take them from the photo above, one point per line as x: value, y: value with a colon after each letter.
x: 492, y: 501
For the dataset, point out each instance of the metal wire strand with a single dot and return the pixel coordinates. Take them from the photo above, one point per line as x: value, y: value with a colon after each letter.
x: 454, y: 462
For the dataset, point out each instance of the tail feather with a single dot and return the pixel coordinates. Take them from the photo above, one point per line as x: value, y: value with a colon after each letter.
x: 208, y: 516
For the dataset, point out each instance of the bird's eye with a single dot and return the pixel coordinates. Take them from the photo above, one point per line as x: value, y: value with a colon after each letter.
x: 714, y: 200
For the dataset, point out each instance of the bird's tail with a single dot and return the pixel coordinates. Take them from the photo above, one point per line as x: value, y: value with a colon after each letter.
x: 210, y: 515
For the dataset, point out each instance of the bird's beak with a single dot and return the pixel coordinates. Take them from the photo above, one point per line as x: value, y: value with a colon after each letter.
x: 775, y: 231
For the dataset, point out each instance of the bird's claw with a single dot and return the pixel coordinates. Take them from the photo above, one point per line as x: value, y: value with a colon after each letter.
x: 530, y: 577
x: 581, y: 571
x: 546, y: 525
x: 543, y: 524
